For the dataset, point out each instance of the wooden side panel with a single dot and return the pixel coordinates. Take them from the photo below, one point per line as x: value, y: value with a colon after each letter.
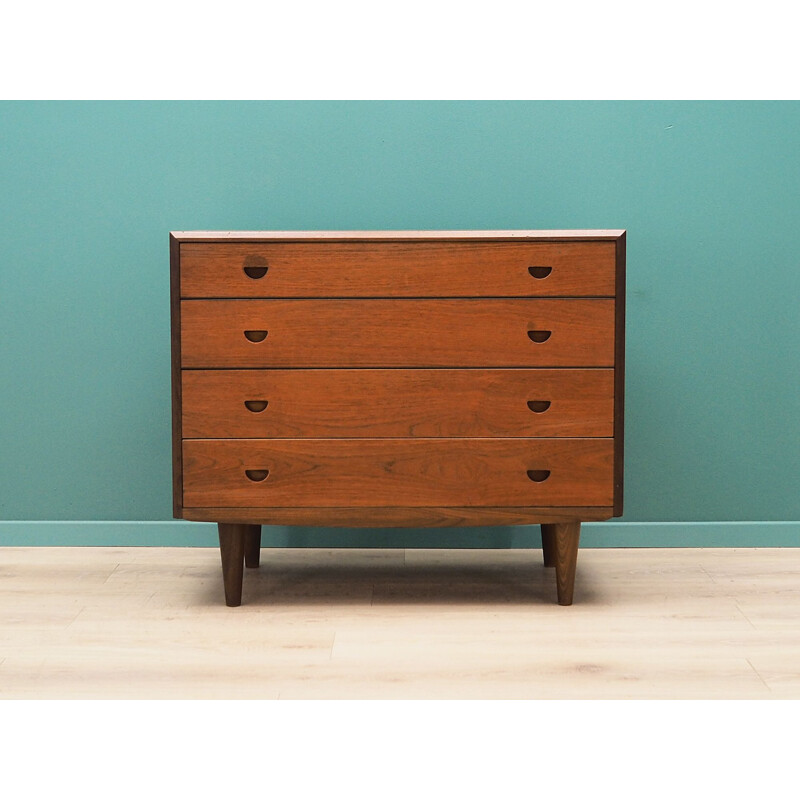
x: 398, y: 269
x: 619, y: 377
x: 397, y: 333
x: 175, y: 355
x: 396, y: 472
x: 319, y: 403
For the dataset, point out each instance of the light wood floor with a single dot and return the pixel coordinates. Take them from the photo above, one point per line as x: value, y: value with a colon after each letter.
x: 647, y: 623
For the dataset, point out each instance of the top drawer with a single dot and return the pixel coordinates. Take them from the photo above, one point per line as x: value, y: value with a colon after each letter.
x: 397, y: 269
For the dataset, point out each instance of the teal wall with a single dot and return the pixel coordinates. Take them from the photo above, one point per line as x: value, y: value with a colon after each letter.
x: 708, y: 191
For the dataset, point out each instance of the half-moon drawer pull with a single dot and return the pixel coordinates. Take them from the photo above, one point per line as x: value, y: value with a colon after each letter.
x: 540, y: 272
x: 538, y: 475
x: 257, y: 475
x: 538, y: 406
x: 255, y: 336
x: 255, y: 272
x: 257, y: 406
x: 539, y: 336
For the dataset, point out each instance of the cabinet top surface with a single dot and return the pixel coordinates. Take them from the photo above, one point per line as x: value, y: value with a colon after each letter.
x: 466, y: 235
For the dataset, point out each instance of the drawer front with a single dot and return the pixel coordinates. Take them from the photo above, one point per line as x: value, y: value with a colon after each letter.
x: 398, y: 269
x: 353, y: 403
x: 227, y: 473
x: 397, y: 333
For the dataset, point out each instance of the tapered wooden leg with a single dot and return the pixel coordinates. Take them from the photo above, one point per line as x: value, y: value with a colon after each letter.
x: 252, y: 545
x: 231, y: 548
x: 567, y: 535
x: 549, y: 545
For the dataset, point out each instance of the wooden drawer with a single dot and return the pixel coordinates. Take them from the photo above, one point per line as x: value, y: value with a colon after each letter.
x: 351, y: 403
x: 397, y: 333
x: 397, y: 269
x: 397, y: 472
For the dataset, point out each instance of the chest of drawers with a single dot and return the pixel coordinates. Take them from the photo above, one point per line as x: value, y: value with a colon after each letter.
x: 399, y: 378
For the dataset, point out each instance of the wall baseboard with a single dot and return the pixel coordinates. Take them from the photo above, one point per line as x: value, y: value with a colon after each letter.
x: 178, y: 533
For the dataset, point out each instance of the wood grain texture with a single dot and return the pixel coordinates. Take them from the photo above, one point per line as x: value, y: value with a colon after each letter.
x: 397, y: 333
x: 397, y: 269
x: 177, y: 403
x: 398, y: 517
x: 252, y: 546
x: 566, y: 535
x: 231, y: 548
x: 619, y: 376
x: 397, y: 472
x: 648, y: 623
x: 319, y: 403
x: 549, y: 544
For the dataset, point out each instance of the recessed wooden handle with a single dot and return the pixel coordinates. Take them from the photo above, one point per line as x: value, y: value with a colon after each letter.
x: 257, y: 475
x: 255, y: 336
x: 255, y: 272
x: 538, y: 475
x: 256, y: 406
x: 540, y: 272
x: 538, y: 406
x: 539, y: 336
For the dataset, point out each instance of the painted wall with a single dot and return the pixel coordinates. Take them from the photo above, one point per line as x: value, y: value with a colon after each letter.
x: 709, y: 193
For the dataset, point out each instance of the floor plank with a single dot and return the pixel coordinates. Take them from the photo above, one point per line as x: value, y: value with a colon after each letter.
x: 351, y: 623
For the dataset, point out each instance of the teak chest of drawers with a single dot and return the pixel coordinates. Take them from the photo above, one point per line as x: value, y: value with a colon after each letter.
x: 399, y: 378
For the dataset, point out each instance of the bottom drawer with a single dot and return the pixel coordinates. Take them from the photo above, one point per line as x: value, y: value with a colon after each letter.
x: 227, y: 473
